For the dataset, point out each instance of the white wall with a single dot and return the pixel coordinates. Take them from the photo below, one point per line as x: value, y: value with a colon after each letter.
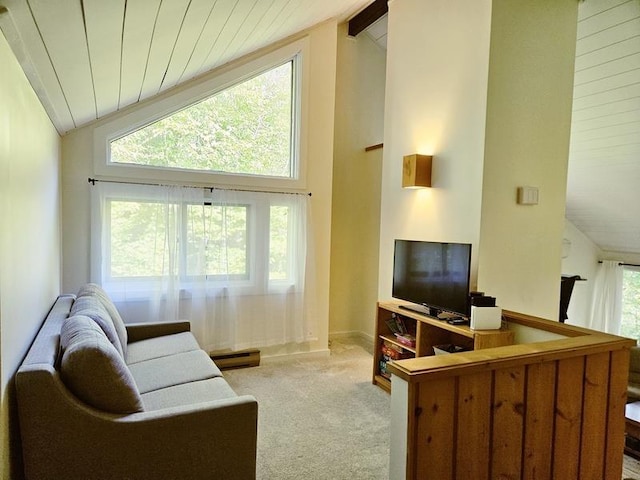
x: 486, y: 87
x: 527, y: 143
x: 355, y: 226
x: 436, y: 90
x: 29, y: 234
x: 78, y: 165
x: 580, y: 257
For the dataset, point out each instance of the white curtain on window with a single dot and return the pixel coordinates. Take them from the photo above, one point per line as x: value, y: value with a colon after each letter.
x: 235, y: 264
x: 606, y: 308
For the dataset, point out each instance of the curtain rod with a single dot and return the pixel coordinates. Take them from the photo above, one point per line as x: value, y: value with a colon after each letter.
x: 622, y: 264
x: 93, y: 181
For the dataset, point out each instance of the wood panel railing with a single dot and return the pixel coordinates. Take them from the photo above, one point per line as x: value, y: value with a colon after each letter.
x: 546, y: 410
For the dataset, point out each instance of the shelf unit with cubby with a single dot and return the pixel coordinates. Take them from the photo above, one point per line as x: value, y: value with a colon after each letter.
x: 428, y: 332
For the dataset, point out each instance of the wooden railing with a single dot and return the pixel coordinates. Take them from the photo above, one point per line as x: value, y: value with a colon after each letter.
x: 548, y: 410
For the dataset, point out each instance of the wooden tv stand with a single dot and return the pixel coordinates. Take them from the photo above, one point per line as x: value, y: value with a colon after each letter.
x: 428, y: 332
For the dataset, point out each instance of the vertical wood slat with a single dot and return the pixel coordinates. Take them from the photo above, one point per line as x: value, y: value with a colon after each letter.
x: 508, y: 422
x: 559, y: 419
x: 435, y: 432
x: 618, y: 378
x: 568, y: 418
x: 594, y: 424
x: 538, y: 430
x: 474, y: 426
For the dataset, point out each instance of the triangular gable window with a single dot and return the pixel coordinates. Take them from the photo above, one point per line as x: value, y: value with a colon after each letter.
x: 246, y: 129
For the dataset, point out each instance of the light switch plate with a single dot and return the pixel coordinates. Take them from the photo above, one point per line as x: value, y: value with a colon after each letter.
x: 528, y: 195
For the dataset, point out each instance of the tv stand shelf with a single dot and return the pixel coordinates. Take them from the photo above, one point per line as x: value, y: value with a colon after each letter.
x: 428, y: 332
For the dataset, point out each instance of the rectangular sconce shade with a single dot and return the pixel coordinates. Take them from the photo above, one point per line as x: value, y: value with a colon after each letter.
x: 416, y: 171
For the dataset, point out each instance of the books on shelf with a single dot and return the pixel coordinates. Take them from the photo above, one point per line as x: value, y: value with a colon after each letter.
x: 396, y: 324
x: 388, y: 353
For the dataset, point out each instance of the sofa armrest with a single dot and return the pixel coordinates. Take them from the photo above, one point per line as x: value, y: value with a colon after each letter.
x: 143, y: 331
x: 215, y: 439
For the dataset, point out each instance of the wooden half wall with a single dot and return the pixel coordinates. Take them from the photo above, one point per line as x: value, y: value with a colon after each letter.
x: 547, y: 410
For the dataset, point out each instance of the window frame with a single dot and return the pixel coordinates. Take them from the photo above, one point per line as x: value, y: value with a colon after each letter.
x: 179, y: 98
x: 258, y: 234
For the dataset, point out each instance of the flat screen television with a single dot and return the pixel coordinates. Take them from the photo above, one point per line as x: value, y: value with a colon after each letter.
x: 434, y: 275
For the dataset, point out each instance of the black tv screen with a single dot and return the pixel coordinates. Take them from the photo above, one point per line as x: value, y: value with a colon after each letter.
x: 432, y: 274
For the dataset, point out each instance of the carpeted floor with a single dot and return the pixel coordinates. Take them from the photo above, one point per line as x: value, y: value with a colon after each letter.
x: 630, y: 468
x: 319, y: 418
x: 323, y: 419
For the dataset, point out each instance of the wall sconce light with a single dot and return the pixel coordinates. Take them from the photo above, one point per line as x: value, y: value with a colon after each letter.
x: 416, y: 171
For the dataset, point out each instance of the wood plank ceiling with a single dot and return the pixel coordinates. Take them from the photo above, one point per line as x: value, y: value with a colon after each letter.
x: 89, y: 58
x: 603, y: 189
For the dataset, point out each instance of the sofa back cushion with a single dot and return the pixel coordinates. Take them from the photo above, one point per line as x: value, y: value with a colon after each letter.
x: 93, y: 370
x: 91, y: 289
x: 91, y: 307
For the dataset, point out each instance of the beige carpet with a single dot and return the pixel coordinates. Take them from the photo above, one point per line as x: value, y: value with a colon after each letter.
x: 319, y: 418
x: 630, y: 468
x: 323, y: 419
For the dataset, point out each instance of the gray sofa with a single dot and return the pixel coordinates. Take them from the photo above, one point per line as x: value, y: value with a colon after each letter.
x: 98, y: 399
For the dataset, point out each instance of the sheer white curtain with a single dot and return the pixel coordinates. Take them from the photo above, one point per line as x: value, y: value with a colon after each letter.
x: 606, y: 308
x: 234, y: 263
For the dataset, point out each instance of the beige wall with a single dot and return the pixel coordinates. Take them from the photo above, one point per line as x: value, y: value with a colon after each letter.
x: 355, y: 226
x: 486, y: 87
x: 29, y: 234
x: 317, y: 148
x: 527, y: 143
x: 436, y: 90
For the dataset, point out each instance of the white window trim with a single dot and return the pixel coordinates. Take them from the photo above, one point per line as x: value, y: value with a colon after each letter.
x: 155, y: 109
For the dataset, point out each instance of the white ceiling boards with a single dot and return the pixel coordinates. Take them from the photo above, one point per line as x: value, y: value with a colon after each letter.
x: 89, y: 58
x: 604, y: 159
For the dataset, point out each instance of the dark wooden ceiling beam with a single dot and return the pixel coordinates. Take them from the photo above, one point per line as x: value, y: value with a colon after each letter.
x: 367, y: 16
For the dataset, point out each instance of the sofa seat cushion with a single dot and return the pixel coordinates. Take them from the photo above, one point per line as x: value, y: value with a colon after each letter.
x: 91, y: 307
x: 173, y: 370
x: 93, y: 370
x: 93, y: 290
x: 161, y: 347
x: 188, y: 393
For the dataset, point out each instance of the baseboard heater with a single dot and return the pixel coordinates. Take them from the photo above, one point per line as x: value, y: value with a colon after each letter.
x: 227, y: 359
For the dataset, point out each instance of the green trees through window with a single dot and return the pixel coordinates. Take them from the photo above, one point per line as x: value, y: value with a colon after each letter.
x: 245, y: 129
x: 631, y: 304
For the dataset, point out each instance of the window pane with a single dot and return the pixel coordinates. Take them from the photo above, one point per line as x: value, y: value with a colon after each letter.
x: 278, y: 243
x: 138, y: 239
x: 630, y: 304
x: 217, y: 240
x: 245, y: 129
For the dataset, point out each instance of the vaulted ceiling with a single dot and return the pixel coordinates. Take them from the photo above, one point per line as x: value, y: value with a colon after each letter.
x: 89, y: 58
x: 603, y: 189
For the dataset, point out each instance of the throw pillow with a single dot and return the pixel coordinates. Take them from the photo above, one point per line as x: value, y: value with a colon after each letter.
x: 92, y: 289
x: 93, y: 370
x: 91, y: 307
